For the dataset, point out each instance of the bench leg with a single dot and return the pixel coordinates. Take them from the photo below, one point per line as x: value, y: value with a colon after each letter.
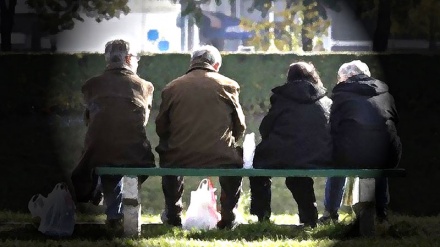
x: 363, y: 205
x: 132, y: 206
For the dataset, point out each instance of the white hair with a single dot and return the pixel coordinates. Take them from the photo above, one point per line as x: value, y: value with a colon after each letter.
x: 355, y: 67
x: 208, y: 54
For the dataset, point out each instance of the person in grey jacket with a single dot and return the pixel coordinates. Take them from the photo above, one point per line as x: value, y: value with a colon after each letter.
x: 295, y: 134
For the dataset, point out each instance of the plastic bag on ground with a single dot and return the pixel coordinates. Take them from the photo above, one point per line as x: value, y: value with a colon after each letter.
x: 248, y: 150
x: 56, y: 212
x: 202, y: 211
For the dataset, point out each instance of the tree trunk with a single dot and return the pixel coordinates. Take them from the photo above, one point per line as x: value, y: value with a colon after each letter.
x: 383, y: 26
x: 7, y: 12
x: 307, y: 41
x: 432, y: 30
x: 233, y: 8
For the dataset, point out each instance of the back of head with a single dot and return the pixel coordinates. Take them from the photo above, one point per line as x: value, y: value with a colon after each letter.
x: 116, y: 51
x: 206, y: 54
x: 303, y: 71
x: 355, y: 67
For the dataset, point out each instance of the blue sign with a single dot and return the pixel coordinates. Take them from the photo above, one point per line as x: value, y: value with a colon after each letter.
x: 163, y: 45
x: 153, y: 35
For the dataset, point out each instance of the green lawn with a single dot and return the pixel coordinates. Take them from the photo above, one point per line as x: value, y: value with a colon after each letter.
x: 404, y: 231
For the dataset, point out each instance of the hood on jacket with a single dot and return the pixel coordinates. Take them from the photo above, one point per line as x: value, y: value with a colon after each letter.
x: 362, y: 85
x: 301, y: 91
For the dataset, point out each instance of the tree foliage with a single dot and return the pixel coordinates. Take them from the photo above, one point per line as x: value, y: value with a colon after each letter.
x: 409, y: 18
x: 58, y: 15
x: 298, y: 22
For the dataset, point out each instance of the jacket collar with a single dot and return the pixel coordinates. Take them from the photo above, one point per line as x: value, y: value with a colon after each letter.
x: 201, y: 65
x: 118, y: 66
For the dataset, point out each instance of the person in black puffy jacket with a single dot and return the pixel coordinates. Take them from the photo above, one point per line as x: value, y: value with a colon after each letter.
x: 295, y: 134
x: 363, y: 123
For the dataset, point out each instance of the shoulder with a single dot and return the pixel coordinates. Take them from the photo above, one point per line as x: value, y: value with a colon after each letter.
x: 224, y: 80
x: 173, y: 83
x: 144, y: 82
x: 91, y: 81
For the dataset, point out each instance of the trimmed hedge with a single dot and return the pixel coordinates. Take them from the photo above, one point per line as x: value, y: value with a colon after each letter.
x: 42, y: 130
x: 52, y: 82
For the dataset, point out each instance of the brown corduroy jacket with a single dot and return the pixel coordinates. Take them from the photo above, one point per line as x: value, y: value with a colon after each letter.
x: 200, y: 120
x: 118, y: 105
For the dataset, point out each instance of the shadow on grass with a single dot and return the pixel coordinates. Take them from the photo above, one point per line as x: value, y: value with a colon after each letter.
x: 248, y: 232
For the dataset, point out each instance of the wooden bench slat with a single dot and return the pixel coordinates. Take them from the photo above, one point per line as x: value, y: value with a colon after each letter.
x: 135, y: 171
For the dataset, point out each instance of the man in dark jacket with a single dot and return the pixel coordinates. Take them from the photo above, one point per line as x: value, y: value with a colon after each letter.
x: 118, y: 105
x: 363, y: 126
x: 295, y: 134
x: 199, y: 123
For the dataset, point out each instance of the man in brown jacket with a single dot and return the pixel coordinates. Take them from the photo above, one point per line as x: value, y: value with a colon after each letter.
x: 199, y: 123
x: 118, y: 104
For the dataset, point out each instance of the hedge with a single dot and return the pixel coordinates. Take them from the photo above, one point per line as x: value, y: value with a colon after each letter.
x: 42, y: 132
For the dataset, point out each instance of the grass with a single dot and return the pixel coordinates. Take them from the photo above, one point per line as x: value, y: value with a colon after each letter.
x: 281, y: 231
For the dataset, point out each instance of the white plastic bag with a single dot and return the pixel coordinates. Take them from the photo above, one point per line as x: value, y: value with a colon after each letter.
x: 202, y: 211
x: 248, y: 150
x: 56, y: 212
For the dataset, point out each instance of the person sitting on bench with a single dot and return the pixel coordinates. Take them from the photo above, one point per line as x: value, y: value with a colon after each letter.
x: 295, y: 134
x: 363, y: 123
x: 118, y: 104
x: 199, y: 123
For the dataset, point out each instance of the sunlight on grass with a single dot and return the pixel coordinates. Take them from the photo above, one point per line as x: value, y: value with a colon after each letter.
x: 281, y: 231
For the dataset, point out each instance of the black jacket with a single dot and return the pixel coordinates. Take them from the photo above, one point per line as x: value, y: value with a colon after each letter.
x: 295, y: 132
x: 363, y: 124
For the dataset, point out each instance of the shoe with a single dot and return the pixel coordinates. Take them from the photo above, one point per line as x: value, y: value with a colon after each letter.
x: 97, y: 198
x: 382, y: 220
x: 264, y: 218
x: 114, y: 224
x: 172, y: 221
x: 327, y: 217
x: 310, y: 224
x: 228, y: 225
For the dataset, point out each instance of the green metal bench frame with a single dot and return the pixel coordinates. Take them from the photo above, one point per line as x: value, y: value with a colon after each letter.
x: 364, y: 207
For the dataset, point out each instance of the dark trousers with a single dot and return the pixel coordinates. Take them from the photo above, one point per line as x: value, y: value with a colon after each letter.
x: 111, y: 187
x: 301, y: 189
x: 172, y: 187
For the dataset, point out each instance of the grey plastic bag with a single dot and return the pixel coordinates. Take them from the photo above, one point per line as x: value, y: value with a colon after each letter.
x: 56, y: 212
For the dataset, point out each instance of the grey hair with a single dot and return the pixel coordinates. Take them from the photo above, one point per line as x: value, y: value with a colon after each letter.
x: 208, y: 54
x: 355, y: 67
x: 116, y: 51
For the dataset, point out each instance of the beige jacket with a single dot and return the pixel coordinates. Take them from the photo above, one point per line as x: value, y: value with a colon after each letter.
x: 200, y: 120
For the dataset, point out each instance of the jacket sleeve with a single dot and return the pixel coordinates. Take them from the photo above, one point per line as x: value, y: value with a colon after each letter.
x: 238, y: 118
x: 268, y: 121
x: 335, y: 117
x: 86, y: 117
x: 86, y: 113
x: 162, y: 119
x: 393, y: 111
x: 149, y: 96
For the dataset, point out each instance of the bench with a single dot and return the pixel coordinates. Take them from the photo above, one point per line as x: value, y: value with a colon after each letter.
x: 363, y: 199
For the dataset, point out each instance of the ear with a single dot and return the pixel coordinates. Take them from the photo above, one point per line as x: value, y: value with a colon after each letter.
x: 216, y: 66
x: 127, y: 59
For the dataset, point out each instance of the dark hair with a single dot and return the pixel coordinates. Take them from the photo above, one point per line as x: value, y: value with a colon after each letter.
x: 303, y: 71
